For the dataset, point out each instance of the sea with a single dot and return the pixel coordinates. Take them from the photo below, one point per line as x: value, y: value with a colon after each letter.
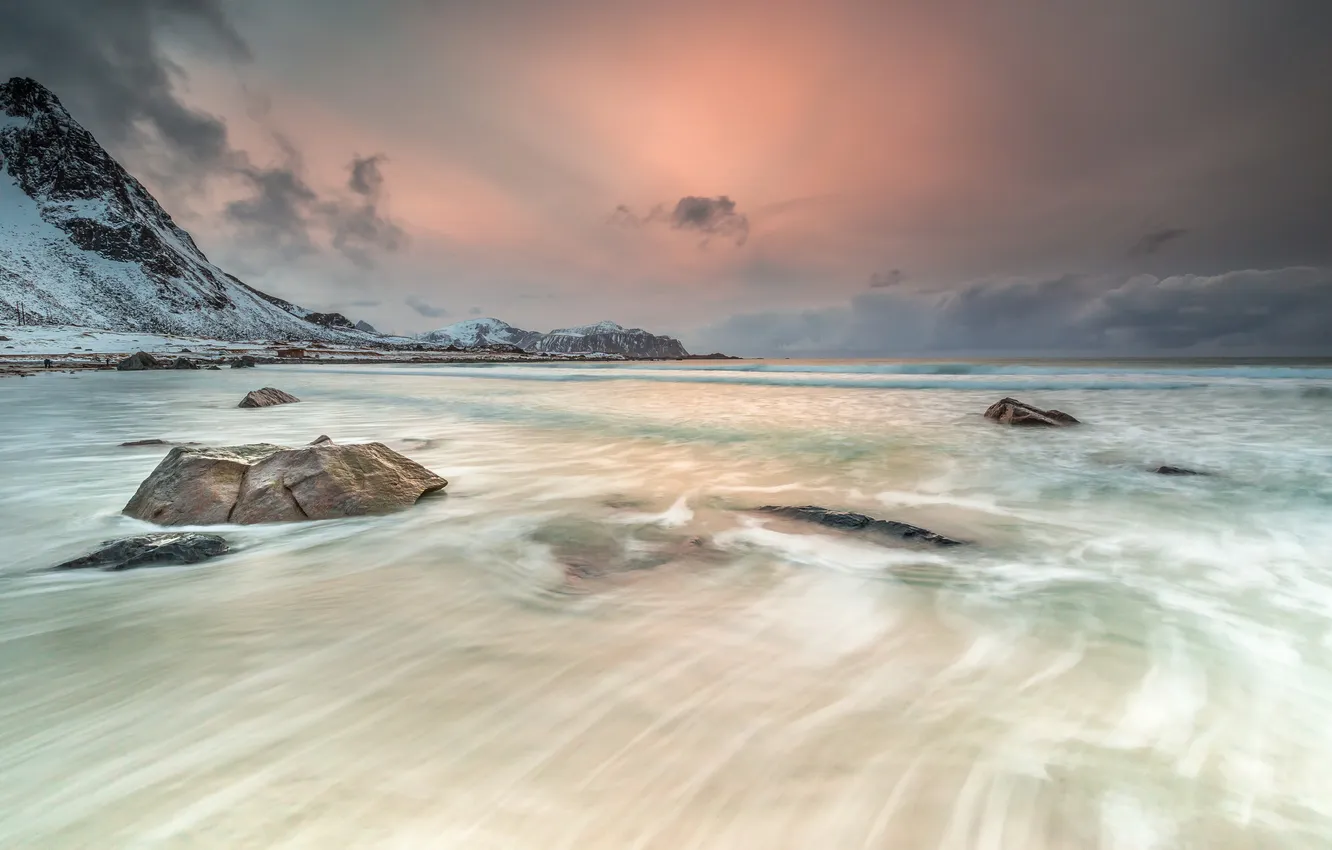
x: 594, y: 641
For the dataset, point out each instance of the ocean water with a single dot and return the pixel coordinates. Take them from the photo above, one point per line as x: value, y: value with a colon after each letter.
x: 592, y: 641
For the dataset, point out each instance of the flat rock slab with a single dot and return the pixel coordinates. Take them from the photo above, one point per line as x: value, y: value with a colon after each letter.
x: 1010, y: 411
x: 1176, y: 470
x: 150, y: 550
x: 267, y: 397
x: 847, y: 521
x: 266, y: 483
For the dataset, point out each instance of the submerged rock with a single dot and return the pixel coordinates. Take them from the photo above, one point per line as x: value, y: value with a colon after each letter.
x: 159, y: 549
x: 1010, y: 411
x: 139, y: 362
x: 267, y: 483
x: 153, y: 442
x: 267, y: 397
x: 847, y: 521
x: 1176, y: 470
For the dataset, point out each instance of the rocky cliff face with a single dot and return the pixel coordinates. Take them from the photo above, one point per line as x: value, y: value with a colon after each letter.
x: 83, y: 243
x: 610, y: 338
x: 601, y: 338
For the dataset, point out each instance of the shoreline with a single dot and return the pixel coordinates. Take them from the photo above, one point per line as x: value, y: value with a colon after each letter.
x: 25, y: 350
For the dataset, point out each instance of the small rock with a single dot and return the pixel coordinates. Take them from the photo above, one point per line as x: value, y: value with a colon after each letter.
x: 1010, y: 411
x: 321, y: 439
x: 153, y: 442
x: 847, y: 521
x: 245, y: 361
x: 184, y: 363
x: 214, y: 368
x: 267, y: 397
x: 150, y: 550
x: 4, y: 338
x: 139, y: 362
x: 1176, y: 470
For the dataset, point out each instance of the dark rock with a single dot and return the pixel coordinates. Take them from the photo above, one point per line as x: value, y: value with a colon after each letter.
x: 1010, y: 411
x: 321, y: 439
x: 245, y: 361
x: 138, y: 362
x: 4, y: 338
x: 267, y: 397
x: 1176, y: 470
x: 151, y: 550
x: 184, y: 363
x: 152, y: 442
x: 847, y: 521
x: 267, y: 483
x: 214, y: 368
x: 366, y: 327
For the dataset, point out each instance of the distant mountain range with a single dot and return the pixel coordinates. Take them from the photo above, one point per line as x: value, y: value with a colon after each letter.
x: 600, y: 338
x: 83, y: 243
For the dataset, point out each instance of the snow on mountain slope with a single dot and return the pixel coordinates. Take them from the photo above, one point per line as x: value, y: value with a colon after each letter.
x: 83, y: 243
x: 600, y: 338
x: 476, y: 333
x: 610, y: 338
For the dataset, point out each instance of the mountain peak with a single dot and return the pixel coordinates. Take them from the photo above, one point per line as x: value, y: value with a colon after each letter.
x: 24, y: 97
x: 84, y: 243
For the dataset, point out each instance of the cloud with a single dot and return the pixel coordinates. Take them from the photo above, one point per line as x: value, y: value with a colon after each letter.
x: 709, y: 216
x: 106, y: 63
x: 475, y: 311
x: 366, y: 178
x: 286, y: 215
x: 1250, y: 312
x: 424, y: 308
x: 885, y: 280
x: 1154, y: 241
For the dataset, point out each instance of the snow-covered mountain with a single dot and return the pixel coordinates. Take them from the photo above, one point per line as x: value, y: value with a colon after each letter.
x: 479, y: 333
x: 610, y: 338
x: 83, y: 243
x: 601, y: 338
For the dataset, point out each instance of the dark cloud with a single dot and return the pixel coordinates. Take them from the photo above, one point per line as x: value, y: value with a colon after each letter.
x: 475, y: 311
x: 709, y: 216
x: 425, y: 308
x: 366, y: 178
x: 285, y: 214
x: 1154, y: 241
x: 1281, y: 311
x: 105, y: 62
x: 364, y: 303
x: 885, y: 280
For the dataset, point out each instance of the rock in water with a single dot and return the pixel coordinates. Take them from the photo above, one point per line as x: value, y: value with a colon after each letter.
x: 1176, y: 470
x: 138, y: 362
x: 184, y: 363
x: 1010, y: 411
x: 267, y: 397
x: 150, y: 550
x: 267, y: 483
x: 847, y: 521
x: 245, y: 361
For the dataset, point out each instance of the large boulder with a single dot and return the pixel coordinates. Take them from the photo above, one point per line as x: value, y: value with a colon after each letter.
x: 150, y: 550
x: 139, y: 362
x: 1010, y: 411
x: 267, y: 397
x: 266, y: 483
x: 847, y: 521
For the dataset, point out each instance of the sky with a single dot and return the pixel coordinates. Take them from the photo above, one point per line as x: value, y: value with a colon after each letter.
x: 841, y: 178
